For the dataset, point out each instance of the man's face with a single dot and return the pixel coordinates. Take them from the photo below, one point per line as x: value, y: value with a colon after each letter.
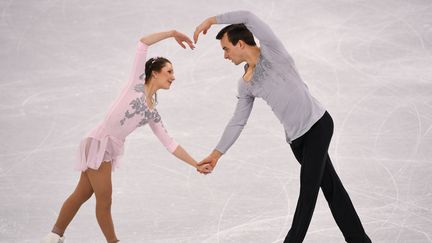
x: 231, y: 52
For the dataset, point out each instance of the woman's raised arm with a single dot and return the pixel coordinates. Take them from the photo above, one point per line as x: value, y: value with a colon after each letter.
x: 158, y: 36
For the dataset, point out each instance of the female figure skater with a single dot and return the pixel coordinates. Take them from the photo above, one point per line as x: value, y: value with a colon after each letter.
x: 100, y: 149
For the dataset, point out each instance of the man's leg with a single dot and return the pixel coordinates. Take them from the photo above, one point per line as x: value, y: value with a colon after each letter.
x: 311, y: 151
x: 341, y: 206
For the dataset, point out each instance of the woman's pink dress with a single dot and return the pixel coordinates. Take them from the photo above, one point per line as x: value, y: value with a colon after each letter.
x: 105, y: 142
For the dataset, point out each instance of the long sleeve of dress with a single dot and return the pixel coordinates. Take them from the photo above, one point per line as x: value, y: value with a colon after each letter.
x: 163, y: 136
x: 139, y: 62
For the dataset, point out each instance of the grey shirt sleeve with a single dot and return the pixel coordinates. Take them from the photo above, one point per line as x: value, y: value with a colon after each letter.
x: 238, y: 120
x: 259, y: 29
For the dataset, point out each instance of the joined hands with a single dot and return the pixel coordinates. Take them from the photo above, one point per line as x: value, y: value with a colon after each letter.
x: 207, y: 165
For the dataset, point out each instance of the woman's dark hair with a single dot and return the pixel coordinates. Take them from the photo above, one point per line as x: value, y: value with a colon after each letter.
x: 154, y: 64
x: 236, y: 32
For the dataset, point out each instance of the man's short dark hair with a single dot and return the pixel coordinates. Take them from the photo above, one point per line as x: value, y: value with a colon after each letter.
x: 236, y: 32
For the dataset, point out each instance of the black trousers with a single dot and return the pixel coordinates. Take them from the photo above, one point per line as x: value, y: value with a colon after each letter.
x: 311, y: 151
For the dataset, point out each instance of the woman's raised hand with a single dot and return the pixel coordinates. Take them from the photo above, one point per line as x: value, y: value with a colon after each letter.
x: 180, y: 38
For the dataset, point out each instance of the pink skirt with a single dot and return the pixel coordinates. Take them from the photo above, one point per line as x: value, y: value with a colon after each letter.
x: 98, y: 147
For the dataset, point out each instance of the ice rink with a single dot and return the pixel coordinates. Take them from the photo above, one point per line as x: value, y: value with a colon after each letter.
x: 63, y: 63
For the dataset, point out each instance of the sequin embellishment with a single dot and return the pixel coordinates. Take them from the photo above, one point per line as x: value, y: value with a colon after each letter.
x: 140, y: 108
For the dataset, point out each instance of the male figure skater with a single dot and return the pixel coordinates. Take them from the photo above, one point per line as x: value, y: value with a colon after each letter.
x: 270, y: 74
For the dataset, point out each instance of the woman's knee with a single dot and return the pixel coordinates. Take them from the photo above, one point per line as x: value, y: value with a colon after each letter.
x: 81, y: 197
x: 86, y: 196
x: 104, y: 199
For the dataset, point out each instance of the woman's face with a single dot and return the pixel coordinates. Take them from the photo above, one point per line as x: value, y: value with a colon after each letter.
x: 165, y: 77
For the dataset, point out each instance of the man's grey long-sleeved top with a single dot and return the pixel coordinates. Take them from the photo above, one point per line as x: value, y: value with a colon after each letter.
x: 275, y: 80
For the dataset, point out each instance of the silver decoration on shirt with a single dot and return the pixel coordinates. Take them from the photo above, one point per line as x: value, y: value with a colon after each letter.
x: 140, y: 108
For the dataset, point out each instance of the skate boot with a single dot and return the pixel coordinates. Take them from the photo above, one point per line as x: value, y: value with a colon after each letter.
x: 52, y: 238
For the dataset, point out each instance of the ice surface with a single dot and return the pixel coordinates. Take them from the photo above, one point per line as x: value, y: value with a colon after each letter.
x: 63, y: 62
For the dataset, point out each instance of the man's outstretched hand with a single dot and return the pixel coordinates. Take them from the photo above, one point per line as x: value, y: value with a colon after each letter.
x: 203, y: 27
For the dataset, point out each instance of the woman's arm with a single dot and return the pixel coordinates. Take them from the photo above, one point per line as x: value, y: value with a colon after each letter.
x: 173, y: 147
x: 156, y: 37
x: 182, y: 154
x: 146, y: 41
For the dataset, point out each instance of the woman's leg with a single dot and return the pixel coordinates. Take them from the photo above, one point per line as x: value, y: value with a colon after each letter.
x: 100, y: 181
x: 70, y: 207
